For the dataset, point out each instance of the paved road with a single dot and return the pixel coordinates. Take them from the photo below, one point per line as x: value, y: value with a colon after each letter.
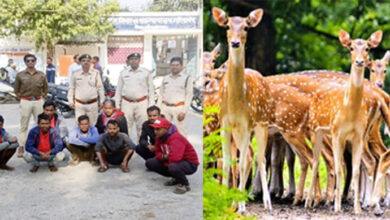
x: 82, y: 193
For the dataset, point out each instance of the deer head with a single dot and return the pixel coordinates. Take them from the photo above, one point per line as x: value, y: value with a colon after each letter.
x: 378, y: 70
x: 209, y: 59
x: 237, y: 27
x: 359, y: 48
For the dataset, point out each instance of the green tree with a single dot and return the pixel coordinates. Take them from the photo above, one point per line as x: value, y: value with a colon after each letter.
x: 174, y: 5
x: 47, y: 22
x: 305, y: 32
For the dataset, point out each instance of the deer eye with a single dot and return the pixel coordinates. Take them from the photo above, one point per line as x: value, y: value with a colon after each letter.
x: 385, y: 71
x: 214, y: 61
x: 372, y: 70
x: 366, y: 49
x: 227, y: 27
x: 351, y: 49
x: 246, y: 28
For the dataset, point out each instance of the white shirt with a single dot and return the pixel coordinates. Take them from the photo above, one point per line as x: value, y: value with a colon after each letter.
x: 174, y: 90
x: 135, y: 84
x: 11, y: 74
x: 72, y: 68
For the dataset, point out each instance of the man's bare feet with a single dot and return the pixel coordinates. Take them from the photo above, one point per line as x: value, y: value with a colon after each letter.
x: 5, y: 167
x: 20, y: 151
x: 34, y: 169
x: 53, y: 169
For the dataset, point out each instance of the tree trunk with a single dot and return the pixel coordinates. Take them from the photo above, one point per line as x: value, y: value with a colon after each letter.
x: 50, y: 51
x: 260, y: 46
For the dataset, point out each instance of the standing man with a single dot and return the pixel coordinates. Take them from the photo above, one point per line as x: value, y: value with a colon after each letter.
x: 11, y: 69
x: 176, y: 95
x: 96, y: 65
x: 85, y: 90
x: 30, y: 87
x: 50, y: 71
x: 135, y: 92
x: 74, y: 67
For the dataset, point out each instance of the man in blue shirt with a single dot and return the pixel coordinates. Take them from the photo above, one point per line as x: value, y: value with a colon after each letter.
x: 82, y: 141
x: 50, y: 71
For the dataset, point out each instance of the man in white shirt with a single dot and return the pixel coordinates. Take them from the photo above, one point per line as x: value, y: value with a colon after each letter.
x: 74, y: 67
x: 135, y: 93
x: 176, y: 93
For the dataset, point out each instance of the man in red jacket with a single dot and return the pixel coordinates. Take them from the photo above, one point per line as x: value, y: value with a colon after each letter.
x: 175, y: 156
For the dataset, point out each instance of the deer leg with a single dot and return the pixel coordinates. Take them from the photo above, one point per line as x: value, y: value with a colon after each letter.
x: 357, y: 150
x: 290, y: 155
x: 348, y: 177
x: 338, y: 147
x: 226, y: 159
x: 369, y: 163
x: 261, y: 133
x: 328, y: 157
x: 318, y: 143
x: 277, y: 158
x: 383, y: 166
x: 234, y: 167
x: 305, y: 157
x: 242, y: 139
x: 249, y: 162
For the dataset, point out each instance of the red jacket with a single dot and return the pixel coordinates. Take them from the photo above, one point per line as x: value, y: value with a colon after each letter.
x: 176, y: 146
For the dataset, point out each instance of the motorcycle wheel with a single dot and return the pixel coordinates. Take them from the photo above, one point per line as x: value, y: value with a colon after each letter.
x: 197, y: 104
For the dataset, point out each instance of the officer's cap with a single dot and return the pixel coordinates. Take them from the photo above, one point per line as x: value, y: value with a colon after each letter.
x: 84, y: 56
x: 137, y: 55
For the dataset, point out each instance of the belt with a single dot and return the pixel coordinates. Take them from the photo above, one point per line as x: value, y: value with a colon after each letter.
x: 87, y: 102
x: 138, y: 100
x: 173, y: 105
x: 31, y: 98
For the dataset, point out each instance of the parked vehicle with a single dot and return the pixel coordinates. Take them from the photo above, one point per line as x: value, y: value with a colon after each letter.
x: 59, y: 94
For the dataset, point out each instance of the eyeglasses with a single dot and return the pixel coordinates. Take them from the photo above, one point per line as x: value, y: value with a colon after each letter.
x: 30, y: 61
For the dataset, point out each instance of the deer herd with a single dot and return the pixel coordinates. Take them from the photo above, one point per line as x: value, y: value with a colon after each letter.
x: 339, y: 114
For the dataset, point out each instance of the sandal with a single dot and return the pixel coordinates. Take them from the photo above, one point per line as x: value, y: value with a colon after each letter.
x: 102, y: 170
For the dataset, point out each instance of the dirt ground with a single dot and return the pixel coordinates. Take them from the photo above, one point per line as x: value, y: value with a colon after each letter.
x: 81, y: 192
x: 287, y: 211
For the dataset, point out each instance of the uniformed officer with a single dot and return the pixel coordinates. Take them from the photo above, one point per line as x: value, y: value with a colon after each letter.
x: 31, y: 87
x: 135, y: 92
x: 85, y: 90
x: 176, y: 95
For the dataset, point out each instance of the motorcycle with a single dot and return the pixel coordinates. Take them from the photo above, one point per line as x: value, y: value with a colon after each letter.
x: 197, y: 99
x: 59, y: 94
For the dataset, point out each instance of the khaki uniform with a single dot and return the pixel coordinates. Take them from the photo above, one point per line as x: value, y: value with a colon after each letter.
x: 84, y: 91
x: 175, y: 98
x: 134, y: 94
x: 31, y: 88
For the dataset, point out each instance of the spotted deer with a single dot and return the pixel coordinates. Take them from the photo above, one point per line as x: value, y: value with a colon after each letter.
x: 277, y: 147
x: 211, y: 98
x: 249, y: 103
x: 244, y: 104
x: 344, y: 115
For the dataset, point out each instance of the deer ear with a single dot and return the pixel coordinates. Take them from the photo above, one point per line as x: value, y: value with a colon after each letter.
x: 220, y: 16
x: 375, y: 39
x: 254, y: 18
x: 386, y: 57
x: 344, y: 38
x: 216, y: 51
